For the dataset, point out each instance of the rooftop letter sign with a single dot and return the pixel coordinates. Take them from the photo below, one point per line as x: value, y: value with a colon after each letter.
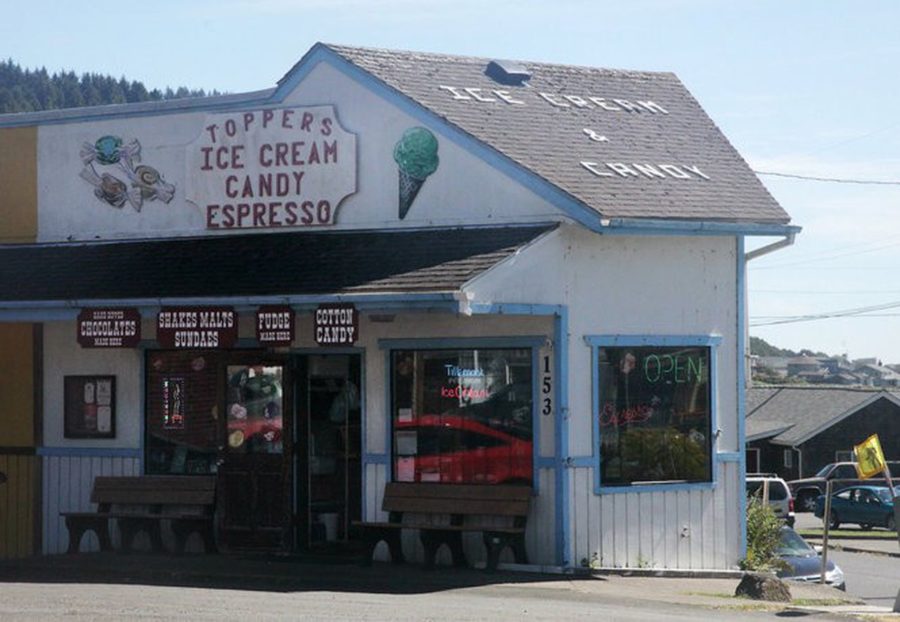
x: 196, y: 327
x: 271, y: 168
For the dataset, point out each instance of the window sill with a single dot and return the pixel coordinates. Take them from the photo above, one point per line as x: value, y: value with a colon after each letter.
x: 653, y: 487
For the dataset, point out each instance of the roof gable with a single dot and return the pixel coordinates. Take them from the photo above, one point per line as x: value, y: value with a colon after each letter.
x: 624, y: 145
x: 806, y: 411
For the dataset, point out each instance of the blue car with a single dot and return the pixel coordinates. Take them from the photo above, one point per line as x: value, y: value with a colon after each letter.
x: 866, y: 506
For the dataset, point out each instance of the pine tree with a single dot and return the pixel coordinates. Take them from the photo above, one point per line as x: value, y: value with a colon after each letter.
x: 31, y: 90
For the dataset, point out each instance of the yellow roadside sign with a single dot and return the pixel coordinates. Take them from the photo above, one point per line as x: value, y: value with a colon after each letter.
x: 869, y: 457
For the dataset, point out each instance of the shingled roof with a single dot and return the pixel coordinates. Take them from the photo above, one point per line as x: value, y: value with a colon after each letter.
x: 627, y: 144
x: 792, y: 415
x: 275, y: 264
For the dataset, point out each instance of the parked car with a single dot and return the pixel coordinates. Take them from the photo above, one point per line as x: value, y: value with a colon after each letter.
x: 844, y: 474
x: 804, y: 563
x: 865, y: 506
x: 780, y: 499
x: 453, y: 449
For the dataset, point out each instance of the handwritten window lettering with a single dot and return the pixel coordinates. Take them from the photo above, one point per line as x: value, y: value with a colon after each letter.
x: 462, y: 416
x: 654, y: 415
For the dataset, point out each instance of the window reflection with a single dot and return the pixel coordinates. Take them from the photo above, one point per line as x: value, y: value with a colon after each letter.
x: 254, y: 409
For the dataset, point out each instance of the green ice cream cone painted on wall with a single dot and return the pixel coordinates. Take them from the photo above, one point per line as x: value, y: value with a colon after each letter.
x: 416, y: 157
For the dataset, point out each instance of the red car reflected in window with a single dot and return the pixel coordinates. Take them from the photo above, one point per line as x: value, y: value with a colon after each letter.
x: 458, y: 450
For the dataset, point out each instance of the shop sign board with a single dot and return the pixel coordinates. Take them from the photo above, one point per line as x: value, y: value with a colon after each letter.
x: 275, y: 325
x: 196, y: 327
x: 271, y: 168
x: 336, y: 324
x: 109, y: 328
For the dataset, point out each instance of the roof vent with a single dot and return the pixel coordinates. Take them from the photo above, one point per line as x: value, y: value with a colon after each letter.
x: 508, y: 72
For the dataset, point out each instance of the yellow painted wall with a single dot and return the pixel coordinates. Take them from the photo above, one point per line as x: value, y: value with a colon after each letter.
x: 17, y: 504
x: 16, y: 385
x: 18, y: 223
x: 18, y: 184
x: 17, y: 495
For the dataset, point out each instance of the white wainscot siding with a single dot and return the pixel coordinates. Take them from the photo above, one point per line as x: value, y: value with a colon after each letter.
x: 67, y: 483
x: 685, y: 529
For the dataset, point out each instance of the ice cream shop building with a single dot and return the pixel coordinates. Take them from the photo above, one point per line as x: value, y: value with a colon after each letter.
x: 390, y: 267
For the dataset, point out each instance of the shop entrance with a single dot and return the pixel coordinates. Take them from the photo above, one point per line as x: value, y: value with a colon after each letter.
x: 254, y: 478
x: 327, y: 442
x: 281, y: 431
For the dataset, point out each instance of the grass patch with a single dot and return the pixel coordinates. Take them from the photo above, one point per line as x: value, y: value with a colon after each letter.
x: 849, y: 533
x: 820, y: 602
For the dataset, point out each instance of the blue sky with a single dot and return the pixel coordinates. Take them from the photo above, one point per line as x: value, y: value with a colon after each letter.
x: 801, y: 87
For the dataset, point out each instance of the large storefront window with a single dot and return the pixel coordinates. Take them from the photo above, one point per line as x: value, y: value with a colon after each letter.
x: 654, y: 418
x: 182, y: 412
x: 462, y: 416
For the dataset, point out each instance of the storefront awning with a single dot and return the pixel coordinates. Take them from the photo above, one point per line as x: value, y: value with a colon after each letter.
x: 259, y: 265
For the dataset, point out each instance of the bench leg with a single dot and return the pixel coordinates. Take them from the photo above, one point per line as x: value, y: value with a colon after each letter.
x: 77, y: 528
x: 495, y: 542
x: 184, y: 528
x: 130, y: 527
x: 391, y: 537
x: 432, y: 541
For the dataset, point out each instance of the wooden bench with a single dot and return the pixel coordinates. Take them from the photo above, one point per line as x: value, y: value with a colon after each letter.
x: 141, y: 504
x: 443, y: 512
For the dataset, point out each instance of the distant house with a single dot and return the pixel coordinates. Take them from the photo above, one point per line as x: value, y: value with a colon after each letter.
x: 878, y: 376
x: 795, y: 431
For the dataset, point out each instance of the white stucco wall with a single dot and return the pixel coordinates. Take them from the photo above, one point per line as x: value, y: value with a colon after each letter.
x: 638, y: 286
x: 462, y: 191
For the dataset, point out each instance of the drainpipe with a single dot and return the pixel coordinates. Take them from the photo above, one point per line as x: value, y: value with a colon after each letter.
x: 774, y: 246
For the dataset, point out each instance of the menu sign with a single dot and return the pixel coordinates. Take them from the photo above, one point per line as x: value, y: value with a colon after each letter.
x: 275, y: 325
x: 196, y: 327
x: 109, y: 328
x: 336, y: 324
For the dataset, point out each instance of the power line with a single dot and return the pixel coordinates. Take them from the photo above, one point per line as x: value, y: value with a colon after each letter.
x: 838, y: 180
x: 855, y: 312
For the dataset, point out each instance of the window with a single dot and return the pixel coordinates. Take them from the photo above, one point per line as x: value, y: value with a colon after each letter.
x: 254, y: 409
x: 182, y: 417
x: 654, y: 420
x: 844, y: 471
x: 788, y: 459
x: 462, y: 416
x: 843, y: 455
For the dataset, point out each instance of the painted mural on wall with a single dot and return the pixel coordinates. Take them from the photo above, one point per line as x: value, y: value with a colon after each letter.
x: 113, y: 167
x: 417, y: 158
x: 271, y: 168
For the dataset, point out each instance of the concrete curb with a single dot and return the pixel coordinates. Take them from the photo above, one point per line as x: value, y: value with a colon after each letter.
x: 855, y: 549
x: 668, y: 573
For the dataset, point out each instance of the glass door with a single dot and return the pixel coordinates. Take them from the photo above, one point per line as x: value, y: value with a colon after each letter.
x: 253, y: 475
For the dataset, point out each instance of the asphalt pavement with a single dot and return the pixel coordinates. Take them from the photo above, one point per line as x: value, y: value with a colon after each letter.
x: 116, y: 586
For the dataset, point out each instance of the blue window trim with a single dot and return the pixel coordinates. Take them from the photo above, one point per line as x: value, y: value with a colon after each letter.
x: 599, y: 341
x: 531, y: 342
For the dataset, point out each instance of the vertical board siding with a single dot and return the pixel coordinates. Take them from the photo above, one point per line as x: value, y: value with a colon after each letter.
x: 17, y: 506
x: 688, y: 529
x: 67, y: 483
